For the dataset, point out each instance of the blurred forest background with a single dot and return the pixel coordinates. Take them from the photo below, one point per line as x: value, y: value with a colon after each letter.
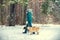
x: 13, y: 12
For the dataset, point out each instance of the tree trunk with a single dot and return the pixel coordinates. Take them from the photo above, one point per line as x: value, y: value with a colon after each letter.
x: 12, y: 15
x: 1, y: 9
x: 24, y: 19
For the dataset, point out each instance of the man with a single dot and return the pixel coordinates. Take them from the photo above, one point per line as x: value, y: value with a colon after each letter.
x: 29, y: 19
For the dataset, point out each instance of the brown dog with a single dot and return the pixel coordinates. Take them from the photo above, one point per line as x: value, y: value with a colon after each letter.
x: 33, y: 29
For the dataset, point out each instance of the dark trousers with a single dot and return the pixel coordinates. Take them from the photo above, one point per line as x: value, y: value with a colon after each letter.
x: 29, y: 24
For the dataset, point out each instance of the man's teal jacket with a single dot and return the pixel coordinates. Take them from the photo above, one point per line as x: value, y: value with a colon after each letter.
x: 29, y: 16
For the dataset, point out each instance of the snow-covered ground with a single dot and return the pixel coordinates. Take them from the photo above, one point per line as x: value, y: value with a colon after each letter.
x: 46, y: 32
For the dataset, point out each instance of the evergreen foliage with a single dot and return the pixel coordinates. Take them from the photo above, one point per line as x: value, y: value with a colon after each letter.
x: 45, y: 6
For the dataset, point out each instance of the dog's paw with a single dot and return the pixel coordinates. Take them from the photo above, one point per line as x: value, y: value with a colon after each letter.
x: 37, y: 33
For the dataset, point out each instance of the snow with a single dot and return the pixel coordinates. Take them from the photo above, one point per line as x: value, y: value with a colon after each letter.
x: 46, y: 32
